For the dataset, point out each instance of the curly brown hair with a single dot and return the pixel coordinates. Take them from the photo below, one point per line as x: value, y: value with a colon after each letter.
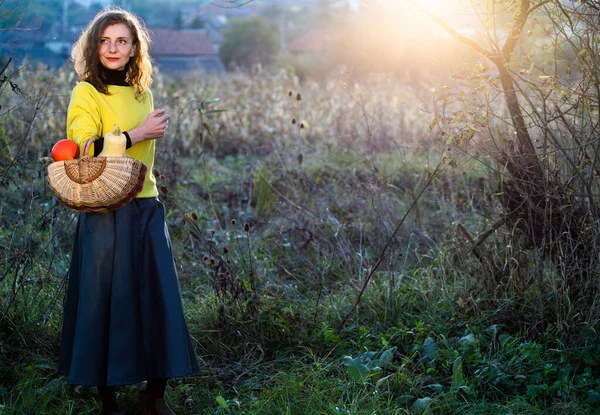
x: 85, y: 53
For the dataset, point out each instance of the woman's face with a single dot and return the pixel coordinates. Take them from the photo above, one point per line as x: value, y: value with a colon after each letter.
x: 116, y: 46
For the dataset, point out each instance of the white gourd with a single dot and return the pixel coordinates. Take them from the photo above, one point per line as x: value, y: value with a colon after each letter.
x: 115, y: 144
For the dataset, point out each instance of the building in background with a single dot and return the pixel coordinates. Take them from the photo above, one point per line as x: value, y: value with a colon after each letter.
x: 317, y: 42
x: 176, y: 51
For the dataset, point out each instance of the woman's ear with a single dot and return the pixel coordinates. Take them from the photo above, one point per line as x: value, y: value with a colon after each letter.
x: 133, y: 52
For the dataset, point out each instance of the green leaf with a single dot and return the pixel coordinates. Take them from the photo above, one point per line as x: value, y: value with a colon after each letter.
x: 438, y: 388
x: 458, y: 378
x: 207, y: 128
x: 209, y: 102
x: 51, y: 387
x: 504, y: 338
x: 383, y: 381
x: 465, y: 390
x: 404, y: 399
x: 387, y: 356
x: 421, y: 406
x: 429, y: 349
x: 467, y: 341
x: 356, y: 369
x: 222, y: 402
x: 531, y: 391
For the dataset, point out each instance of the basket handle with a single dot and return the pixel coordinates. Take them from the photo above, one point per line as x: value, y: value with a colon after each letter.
x: 86, y: 145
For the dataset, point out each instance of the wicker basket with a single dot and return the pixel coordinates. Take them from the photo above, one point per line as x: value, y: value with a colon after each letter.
x: 96, y: 184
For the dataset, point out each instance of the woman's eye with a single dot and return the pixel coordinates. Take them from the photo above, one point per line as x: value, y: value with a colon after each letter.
x: 123, y: 42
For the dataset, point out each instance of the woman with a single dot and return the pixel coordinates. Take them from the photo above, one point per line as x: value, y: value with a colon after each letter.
x: 123, y: 318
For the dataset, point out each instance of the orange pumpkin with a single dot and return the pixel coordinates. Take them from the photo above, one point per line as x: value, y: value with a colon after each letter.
x: 65, y: 150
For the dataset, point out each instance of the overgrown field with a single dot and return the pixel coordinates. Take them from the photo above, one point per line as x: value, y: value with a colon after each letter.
x: 326, y: 238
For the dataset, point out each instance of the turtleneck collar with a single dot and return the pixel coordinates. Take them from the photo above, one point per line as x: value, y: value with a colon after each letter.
x: 115, y: 77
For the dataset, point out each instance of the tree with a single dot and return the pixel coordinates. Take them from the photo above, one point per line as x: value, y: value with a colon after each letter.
x: 248, y: 41
x: 548, y: 166
x: 526, y: 163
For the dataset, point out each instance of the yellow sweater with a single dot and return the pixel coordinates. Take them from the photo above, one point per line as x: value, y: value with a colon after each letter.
x: 92, y: 113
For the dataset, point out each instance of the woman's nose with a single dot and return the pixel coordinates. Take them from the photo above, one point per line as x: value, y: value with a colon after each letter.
x: 112, y: 46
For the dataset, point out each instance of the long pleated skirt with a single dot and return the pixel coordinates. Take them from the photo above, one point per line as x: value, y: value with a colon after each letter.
x: 123, y: 317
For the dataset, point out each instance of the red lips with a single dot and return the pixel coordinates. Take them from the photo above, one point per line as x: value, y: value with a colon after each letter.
x: 112, y: 59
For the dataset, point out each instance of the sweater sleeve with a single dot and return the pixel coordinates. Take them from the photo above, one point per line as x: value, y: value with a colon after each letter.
x: 83, y: 116
x: 151, y: 98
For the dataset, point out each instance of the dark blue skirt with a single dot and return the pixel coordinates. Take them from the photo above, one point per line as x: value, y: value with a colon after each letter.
x: 123, y: 318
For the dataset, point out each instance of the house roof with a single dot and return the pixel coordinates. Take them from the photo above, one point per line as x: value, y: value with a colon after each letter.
x: 181, y: 43
x: 315, y: 41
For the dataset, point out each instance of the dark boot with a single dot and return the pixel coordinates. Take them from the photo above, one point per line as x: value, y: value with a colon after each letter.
x: 109, y: 400
x: 150, y: 406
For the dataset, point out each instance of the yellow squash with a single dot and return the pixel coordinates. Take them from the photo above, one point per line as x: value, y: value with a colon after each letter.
x: 114, y: 144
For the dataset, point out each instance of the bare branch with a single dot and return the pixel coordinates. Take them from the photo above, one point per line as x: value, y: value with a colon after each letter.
x: 515, y: 33
x: 230, y: 4
x: 455, y: 34
x: 14, y: 11
x: 475, y: 244
x: 537, y: 6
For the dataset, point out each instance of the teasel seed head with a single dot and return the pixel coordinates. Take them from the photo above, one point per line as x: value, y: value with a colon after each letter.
x: 194, y: 216
x: 298, y: 97
x: 164, y: 190
x: 290, y: 93
x: 246, y: 227
x: 233, y: 222
x: 293, y: 121
x: 225, y: 250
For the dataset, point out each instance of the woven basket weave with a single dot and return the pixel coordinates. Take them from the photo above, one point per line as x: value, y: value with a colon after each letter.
x: 96, y: 184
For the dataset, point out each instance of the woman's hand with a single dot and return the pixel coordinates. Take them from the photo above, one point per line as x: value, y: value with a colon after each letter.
x: 153, y: 127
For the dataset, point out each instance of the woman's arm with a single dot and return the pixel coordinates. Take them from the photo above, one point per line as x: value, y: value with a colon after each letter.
x: 153, y: 127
